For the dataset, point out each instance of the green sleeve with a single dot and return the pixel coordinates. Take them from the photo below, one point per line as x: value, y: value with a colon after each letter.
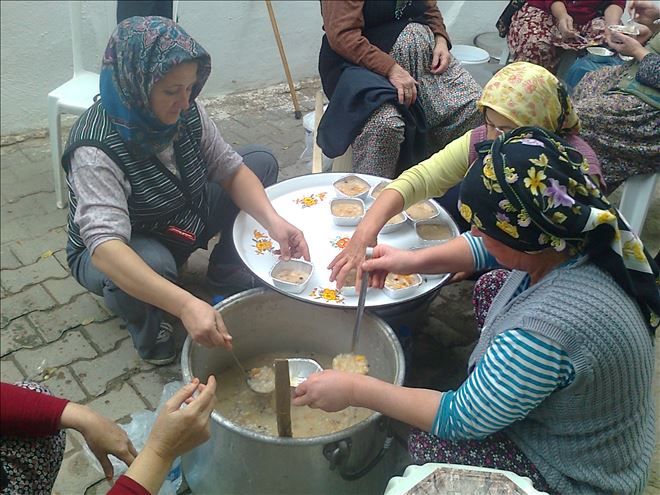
x: 434, y: 176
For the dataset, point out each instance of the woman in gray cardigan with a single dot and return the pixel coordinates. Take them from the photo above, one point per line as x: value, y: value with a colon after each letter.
x: 559, y: 388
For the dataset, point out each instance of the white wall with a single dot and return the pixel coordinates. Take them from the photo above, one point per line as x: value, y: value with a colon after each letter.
x: 36, y: 45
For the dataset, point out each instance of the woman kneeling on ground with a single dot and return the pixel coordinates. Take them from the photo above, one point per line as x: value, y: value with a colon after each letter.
x: 560, y: 383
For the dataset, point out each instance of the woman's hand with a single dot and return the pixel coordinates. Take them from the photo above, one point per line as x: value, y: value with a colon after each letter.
x: 565, y: 26
x: 102, y: 436
x: 404, y: 83
x: 330, y: 390
x: 177, y: 430
x: 291, y: 239
x: 204, y: 324
x: 441, y: 56
x: 349, y: 258
x: 387, y: 259
x: 646, y: 12
x: 627, y: 45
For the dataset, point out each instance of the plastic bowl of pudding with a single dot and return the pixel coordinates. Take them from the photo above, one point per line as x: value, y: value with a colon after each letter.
x: 423, y: 210
x: 349, y: 284
x: 434, y: 231
x: 629, y: 29
x: 393, y: 223
x: 291, y: 275
x: 347, y: 211
x: 600, y: 53
x: 398, y: 286
x: 351, y: 186
x: 378, y: 188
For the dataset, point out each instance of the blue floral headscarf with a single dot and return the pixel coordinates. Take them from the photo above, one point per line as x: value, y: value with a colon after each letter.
x: 140, y: 52
x: 530, y: 190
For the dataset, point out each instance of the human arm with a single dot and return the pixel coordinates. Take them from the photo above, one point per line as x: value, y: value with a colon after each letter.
x: 645, y: 12
x: 176, y: 431
x: 430, y: 178
x: 563, y: 20
x: 333, y: 390
x: 613, y: 13
x: 249, y: 195
x: 629, y: 46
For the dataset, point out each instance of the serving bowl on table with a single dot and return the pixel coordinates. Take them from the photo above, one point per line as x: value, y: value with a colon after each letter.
x: 347, y: 212
x: 600, y: 53
x: 291, y: 275
x: 423, y: 210
x: 393, y: 223
x: 398, y: 286
x: 351, y: 186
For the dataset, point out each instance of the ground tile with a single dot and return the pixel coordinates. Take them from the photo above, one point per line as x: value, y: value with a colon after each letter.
x: 95, y: 375
x: 9, y: 372
x: 19, y: 334
x: 105, y: 335
x: 149, y: 384
x: 8, y: 260
x: 62, y: 383
x: 14, y: 281
x: 119, y: 403
x: 33, y: 298
x: 78, y: 472
x: 53, y: 241
x: 45, y: 360
x: 63, y: 290
x: 83, y: 310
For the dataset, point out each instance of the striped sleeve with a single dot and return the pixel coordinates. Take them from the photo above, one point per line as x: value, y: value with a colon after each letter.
x: 519, y: 370
x: 483, y: 260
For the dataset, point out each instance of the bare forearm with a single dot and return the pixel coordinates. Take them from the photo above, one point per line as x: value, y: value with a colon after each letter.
x: 413, y: 406
x: 612, y: 15
x: 149, y: 469
x: 451, y: 257
x: 388, y: 204
x: 248, y: 193
x: 131, y: 274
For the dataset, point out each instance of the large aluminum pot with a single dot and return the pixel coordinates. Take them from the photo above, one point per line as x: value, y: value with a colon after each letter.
x: 239, y: 461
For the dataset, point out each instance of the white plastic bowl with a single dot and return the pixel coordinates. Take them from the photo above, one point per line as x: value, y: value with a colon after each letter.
x: 399, y: 293
x: 347, y: 221
x: 281, y: 267
x: 362, y: 193
x: 600, y: 53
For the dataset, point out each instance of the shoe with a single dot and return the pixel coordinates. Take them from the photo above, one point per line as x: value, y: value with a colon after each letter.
x: 231, y: 277
x: 165, y: 333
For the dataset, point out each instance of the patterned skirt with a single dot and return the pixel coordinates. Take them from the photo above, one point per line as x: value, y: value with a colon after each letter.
x: 621, y: 128
x: 496, y: 451
x: 534, y: 37
x: 449, y: 102
x: 32, y: 463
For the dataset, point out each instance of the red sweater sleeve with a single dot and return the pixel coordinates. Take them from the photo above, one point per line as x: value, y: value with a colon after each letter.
x: 127, y: 486
x: 581, y: 12
x: 27, y: 413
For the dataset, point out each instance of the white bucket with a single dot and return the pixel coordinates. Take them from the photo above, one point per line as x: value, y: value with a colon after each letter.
x: 308, y: 124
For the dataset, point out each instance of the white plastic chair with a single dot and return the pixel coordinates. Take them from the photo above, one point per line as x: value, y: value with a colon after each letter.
x: 636, y: 198
x: 73, y: 97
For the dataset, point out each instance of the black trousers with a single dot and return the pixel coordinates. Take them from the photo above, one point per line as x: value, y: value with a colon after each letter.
x: 130, y: 8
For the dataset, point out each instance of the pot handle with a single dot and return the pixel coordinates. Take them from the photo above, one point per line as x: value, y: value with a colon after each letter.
x: 338, y: 452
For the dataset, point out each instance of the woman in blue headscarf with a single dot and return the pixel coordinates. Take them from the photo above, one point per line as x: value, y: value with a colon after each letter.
x: 560, y: 383
x: 151, y: 180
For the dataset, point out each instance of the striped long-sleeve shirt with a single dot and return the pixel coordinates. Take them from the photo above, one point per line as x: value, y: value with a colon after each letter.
x: 519, y: 370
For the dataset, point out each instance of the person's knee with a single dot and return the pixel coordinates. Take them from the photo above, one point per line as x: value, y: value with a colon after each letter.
x: 262, y: 162
x: 156, y: 256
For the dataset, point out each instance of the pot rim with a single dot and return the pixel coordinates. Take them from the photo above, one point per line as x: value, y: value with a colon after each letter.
x: 297, y: 441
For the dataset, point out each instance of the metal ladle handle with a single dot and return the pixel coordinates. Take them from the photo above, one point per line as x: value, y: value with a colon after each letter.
x: 362, y: 297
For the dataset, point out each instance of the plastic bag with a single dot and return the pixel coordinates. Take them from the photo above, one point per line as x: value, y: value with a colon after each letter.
x: 306, y: 155
x: 138, y: 430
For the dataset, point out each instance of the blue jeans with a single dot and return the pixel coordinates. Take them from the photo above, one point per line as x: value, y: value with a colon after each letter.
x: 143, y: 320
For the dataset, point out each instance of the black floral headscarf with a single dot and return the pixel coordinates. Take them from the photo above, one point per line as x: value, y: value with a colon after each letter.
x: 530, y: 190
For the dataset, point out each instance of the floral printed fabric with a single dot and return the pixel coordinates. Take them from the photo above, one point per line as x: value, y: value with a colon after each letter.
x: 534, y: 37
x: 529, y: 95
x: 529, y: 190
x: 32, y: 463
x: 140, y: 52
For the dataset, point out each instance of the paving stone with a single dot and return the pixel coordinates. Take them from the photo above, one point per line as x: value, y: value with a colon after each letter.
x: 28, y: 189
x: 83, y: 310
x: 78, y: 471
x: 119, y: 403
x: 100, y: 488
x: 52, y: 241
x: 63, y: 290
x: 33, y: 298
x: 105, y: 335
x: 63, y: 384
x: 45, y: 360
x: 19, y: 334
x: 96, y: 374
x: 446, y: 334
x: 149, y: 384
x: 43, y: 224
x: 9, y: 372
x: 45, y: 268
x: 8, y: 260
x: 74, y: 441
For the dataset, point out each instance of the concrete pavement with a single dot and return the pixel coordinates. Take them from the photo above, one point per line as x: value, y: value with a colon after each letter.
x: 54, y: 331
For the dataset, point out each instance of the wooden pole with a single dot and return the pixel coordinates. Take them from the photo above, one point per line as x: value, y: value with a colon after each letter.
x: 283, y: 397
x: 280, y: 46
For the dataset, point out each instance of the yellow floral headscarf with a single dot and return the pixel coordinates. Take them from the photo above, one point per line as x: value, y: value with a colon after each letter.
x: 529, y: 95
